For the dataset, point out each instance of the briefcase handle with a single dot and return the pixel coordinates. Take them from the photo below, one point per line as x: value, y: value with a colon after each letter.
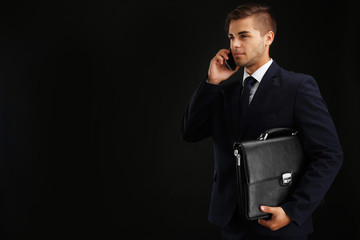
x: 276, y: 132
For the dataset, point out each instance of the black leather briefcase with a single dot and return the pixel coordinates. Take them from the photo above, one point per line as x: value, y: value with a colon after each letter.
x: 268, y: 170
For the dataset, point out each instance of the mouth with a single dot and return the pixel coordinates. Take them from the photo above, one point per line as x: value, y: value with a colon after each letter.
x: 238, y: 54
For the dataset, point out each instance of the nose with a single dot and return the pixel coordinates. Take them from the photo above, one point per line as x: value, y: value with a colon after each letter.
x: 235, y: 44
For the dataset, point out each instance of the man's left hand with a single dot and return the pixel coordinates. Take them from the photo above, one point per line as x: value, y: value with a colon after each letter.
x: 278, y: 219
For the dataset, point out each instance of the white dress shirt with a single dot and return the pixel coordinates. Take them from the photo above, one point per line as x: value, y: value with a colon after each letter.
x: 258, y: 75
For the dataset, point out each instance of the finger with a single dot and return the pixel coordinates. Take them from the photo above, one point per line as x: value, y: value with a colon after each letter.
x: 223, y: 54
x: 269, y: 224
x: 227, y: 51
x: 217, y: 60
x: 268, y: 209
x: 265, y: 223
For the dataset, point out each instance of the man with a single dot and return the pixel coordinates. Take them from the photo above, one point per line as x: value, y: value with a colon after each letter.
x: 278, y: 98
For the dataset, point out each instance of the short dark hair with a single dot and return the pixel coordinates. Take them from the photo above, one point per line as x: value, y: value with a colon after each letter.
x: 263, y: 13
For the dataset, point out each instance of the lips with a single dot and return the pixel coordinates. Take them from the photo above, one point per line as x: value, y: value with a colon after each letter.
x: 238, y: 54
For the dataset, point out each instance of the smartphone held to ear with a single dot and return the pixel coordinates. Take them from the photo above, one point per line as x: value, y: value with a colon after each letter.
x: 230, y: 63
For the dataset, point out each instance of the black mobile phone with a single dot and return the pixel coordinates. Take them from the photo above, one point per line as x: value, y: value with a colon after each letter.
x: 230, y: 63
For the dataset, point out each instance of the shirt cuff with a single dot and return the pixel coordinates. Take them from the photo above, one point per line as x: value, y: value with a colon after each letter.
x: 207, y: 81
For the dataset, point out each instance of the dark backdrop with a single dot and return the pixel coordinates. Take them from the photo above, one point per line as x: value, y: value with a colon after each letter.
x: 91, y: 98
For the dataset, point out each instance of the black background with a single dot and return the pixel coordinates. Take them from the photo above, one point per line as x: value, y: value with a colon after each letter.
x: 91, y: 98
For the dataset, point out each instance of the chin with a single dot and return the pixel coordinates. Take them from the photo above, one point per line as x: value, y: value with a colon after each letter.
x: 240, y: 63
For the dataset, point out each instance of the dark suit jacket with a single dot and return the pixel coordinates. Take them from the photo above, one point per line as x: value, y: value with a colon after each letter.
x: 283, y: 99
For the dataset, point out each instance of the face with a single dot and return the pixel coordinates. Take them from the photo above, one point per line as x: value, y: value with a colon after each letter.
x: 248, y: 47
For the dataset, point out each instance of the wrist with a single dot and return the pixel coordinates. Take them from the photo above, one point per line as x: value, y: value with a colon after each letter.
x: 212, y: 81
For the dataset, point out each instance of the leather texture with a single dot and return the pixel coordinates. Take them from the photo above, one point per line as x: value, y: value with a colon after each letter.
x: 262, y: 167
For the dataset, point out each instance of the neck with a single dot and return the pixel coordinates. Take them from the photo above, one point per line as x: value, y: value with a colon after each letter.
x: 252, y: 68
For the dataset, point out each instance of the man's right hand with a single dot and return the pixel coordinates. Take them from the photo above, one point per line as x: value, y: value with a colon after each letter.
x: 218, y: 71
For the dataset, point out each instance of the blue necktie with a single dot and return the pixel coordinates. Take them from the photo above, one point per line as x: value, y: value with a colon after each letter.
x: 244, y: 100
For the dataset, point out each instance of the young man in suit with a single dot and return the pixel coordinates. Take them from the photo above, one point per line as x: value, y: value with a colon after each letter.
x: 277, y: 98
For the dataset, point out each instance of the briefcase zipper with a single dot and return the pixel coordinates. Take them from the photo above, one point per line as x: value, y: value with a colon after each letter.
x: 238, y: 157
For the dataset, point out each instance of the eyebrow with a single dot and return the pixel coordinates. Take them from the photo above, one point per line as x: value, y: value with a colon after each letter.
x: 239, y: 33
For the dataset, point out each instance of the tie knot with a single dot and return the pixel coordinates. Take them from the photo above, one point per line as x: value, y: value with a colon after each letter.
x: 250, y: 81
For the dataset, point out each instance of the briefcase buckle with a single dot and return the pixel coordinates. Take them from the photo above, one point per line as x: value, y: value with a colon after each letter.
x: 286, y: 179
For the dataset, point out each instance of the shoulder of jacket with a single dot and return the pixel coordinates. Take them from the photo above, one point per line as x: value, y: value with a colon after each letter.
x: 295, y: 77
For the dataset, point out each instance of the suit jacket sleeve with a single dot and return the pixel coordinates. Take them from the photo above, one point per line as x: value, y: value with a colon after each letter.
x: 320, y: 142
x: 196, y: 121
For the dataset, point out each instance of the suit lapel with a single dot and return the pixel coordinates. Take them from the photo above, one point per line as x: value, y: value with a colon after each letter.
x: 232, y: 108
x: 236, y: 108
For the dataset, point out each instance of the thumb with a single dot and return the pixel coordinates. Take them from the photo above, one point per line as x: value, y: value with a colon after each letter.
x: 267, y: 209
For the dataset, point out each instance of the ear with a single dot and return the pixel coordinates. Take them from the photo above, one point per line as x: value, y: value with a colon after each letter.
x: 269, y: 38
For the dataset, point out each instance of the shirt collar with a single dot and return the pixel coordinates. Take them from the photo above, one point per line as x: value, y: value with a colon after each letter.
x: 259, y: 73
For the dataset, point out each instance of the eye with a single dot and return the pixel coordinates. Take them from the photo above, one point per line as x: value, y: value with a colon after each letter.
x: 244, y: 36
